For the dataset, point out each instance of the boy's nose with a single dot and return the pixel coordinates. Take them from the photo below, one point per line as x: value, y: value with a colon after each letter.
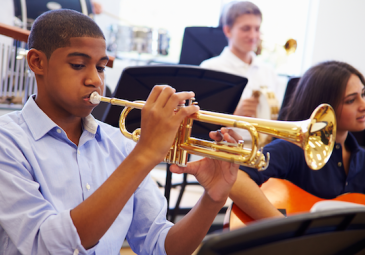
x: 94, y: 79
x: 253, y: 34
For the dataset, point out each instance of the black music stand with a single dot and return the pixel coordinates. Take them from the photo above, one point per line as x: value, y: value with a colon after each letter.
x: 201, y: 43
x: 214, y: 91
x: 330, y: 232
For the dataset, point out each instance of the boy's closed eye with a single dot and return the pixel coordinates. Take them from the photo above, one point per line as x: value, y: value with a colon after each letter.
x: 100, y: 69
x: 76, y: 66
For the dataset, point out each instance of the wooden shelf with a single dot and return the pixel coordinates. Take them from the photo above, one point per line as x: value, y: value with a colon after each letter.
x: 23, y: 34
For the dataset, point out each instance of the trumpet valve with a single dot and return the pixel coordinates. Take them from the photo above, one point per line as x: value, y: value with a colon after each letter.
x: 179, y: 107
x: 240, y: 144
x: 191, y: 101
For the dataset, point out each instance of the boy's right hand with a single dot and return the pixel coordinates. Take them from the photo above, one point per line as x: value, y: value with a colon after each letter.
x: 247, y: 107
x: 160, y: 121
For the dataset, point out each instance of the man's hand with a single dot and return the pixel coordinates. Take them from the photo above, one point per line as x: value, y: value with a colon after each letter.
x: 247, y: 107
x: 160, y: 121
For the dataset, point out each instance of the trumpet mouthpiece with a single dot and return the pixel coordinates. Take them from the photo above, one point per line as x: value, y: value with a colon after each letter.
x: 95, y: 98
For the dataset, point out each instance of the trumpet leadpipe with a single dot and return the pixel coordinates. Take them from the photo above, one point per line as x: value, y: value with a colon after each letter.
x: 95, y: 98
x: 287, y: 130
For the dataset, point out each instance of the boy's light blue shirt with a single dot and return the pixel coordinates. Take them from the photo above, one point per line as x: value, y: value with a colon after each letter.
x: 43, y: 175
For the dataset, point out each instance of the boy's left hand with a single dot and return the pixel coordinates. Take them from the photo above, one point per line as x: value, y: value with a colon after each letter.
x: 216, y: 176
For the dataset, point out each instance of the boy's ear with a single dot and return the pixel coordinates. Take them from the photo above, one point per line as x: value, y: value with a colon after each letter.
x: 37, y: 61
x: 227, y: 31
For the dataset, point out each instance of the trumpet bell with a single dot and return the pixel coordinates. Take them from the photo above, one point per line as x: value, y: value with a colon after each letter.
x: 319, y: 144
x: 290, y: 46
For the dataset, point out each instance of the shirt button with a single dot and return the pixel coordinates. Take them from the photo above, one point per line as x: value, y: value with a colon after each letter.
x: 88, y: 186
x: 347, y: 183
x: 59, y: 131
x: 78, y: 152
x: 339, y: 164
x: 338, y: 146
x: 76, y: 252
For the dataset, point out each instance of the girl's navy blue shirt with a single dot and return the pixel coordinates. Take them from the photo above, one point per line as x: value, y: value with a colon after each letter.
x: 287, y: 162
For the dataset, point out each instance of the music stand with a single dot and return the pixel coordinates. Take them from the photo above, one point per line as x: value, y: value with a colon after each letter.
x: 214, y: 91
x: 201, y: 43
x: 340, y: 231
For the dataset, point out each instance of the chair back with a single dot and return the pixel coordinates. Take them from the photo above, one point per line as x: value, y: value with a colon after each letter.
x: 201, y: 43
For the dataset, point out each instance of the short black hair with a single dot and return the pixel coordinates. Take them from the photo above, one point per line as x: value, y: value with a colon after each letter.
x: 53, y: 30
x: 324, y: 83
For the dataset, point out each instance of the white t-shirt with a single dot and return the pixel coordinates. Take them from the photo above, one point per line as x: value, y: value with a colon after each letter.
x: 258, y: 74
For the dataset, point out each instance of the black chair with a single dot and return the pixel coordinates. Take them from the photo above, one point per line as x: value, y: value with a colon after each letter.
x: 290, y: 88
x: 214, y: 91
x: 330, y: 232
x: 201, y: 43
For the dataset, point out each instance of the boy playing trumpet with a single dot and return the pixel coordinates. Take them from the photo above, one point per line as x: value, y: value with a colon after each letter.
x: 71, y: 184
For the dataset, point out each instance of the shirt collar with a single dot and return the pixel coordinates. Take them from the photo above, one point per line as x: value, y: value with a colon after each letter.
x: 40, y: 124
x: 90, y: 124
x: 351, y: 143
x: 237, y: 61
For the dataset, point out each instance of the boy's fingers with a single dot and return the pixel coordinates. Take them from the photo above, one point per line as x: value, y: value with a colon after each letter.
x: 187, y: 111
x: 178, y: 98
x: 254, y: 99
x: 229, y: 138
x: 216, y: 135
x: 165, y: 96
x: 232, y: 133
x: 225, y: 134
x: 191, y: 168
x: 155, y: 93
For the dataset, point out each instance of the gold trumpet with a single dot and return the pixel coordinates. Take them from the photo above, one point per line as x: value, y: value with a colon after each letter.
x: 316, y: 135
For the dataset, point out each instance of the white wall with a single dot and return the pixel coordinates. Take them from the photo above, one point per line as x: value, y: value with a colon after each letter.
x: 338, y: 33
x: 282, y: 20
x: 334, y: 31
x: 105, y: 21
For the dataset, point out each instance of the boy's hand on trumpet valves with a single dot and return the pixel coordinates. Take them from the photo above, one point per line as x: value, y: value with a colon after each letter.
x: 160, y: 123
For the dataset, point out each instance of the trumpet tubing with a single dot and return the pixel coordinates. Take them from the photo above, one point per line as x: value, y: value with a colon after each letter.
x: 316, y: 136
